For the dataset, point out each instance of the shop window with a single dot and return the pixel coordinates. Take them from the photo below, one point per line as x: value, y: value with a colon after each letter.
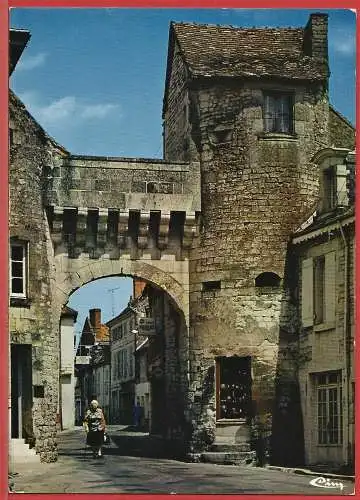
x: 278, y: 113
x: 329, y: 407
x: 233, y: 387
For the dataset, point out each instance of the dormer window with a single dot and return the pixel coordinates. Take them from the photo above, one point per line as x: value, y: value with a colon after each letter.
x: 329, y: 183
x: 333, y: 188
x: 278, y: 113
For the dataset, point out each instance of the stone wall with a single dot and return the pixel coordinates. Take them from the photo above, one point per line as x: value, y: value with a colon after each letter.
x: 31, y: 321
x: 342, y: 133
x: 177, y: 113
x: 123, y: 183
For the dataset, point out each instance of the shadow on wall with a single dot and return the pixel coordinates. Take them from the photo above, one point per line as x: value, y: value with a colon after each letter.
x: 287, y: 437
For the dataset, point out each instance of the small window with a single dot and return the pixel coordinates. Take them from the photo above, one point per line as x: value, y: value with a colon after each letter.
x: 267, y: 280
x: 18, y: 269
x: 39, y: 391
x: 209, y: 286
x: 278, y: 113
x: 151, y: 187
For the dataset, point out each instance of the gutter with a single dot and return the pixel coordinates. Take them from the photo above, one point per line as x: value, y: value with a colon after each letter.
x: 346, y: 346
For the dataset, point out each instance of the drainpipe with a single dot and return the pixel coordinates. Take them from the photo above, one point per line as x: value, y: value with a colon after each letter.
x: 346, y: 344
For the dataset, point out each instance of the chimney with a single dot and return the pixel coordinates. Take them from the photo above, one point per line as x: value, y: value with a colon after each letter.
x: 95, y: 320
x: 138, y: 287
x: 315, y: 43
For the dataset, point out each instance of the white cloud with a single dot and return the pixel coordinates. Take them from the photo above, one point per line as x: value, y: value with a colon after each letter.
x: 66, y: 111
x: 97, y: 110
x: 344, y: 45
x: 31, y: 62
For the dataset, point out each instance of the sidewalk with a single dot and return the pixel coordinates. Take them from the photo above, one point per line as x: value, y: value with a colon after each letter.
x: 314, y: 472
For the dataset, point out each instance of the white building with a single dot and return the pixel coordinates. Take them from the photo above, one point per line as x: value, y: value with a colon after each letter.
x: 66, y: 376
x: 142, y: 383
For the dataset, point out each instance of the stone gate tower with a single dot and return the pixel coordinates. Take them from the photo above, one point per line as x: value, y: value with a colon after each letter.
x: 252, y: 106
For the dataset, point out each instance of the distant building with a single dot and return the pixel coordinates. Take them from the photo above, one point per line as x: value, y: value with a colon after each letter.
x: 92, y: 365
x: 122, y: 348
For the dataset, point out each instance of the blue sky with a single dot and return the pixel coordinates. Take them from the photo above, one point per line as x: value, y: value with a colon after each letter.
x: 94, y: 79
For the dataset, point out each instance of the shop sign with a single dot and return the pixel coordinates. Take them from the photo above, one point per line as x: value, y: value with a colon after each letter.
x: 82, y: 360
x: 146, y: 326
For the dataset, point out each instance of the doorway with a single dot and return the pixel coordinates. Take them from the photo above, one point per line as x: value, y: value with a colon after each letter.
x: 21, y: 391
x: 233, y: 388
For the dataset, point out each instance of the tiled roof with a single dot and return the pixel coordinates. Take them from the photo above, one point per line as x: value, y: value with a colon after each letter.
x: 224, y: 51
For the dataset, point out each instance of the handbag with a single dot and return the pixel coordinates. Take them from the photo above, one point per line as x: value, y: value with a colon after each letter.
x: 106, y: 438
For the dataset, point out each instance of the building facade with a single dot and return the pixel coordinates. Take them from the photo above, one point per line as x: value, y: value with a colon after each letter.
x: 122, y: 349
x: 325, y: 252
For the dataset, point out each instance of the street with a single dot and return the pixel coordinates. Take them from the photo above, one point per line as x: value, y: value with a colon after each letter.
x: 130, y: 466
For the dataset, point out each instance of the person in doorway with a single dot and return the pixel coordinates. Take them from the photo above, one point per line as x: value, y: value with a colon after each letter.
x: 137, y: 413
x: 95, y: 426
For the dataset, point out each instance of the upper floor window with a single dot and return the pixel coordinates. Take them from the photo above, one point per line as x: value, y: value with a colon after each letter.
x: 278, y: 113
x: 318, y: 290
x: 18, y: 269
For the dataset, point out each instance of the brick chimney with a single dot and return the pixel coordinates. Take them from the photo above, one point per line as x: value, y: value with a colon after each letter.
x: 315, y: 42
x: 95, y: 320
x: 138, y: 287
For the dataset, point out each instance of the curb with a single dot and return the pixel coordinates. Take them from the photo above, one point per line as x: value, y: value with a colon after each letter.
x: 307, y: 472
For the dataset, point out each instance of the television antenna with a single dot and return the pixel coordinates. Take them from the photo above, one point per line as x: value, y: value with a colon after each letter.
x: 112, y: 291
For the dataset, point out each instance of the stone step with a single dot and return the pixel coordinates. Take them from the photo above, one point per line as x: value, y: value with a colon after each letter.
x: 229, y: 457
x: 229, y: 447
x: 19, y: 450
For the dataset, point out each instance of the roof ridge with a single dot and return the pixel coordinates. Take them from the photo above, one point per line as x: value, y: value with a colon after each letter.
x: 237, y: 28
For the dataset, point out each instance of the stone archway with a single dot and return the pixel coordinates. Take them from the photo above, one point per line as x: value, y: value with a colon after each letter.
x: 169, y: 275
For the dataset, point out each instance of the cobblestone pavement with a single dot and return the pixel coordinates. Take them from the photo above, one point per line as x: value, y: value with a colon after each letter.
x: 130, y: 466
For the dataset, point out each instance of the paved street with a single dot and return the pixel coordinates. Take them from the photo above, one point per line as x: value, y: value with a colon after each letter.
x: 130, y: 466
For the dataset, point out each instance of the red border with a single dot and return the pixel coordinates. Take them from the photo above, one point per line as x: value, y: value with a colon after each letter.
x: 4, y: 200
x: 4, y: 345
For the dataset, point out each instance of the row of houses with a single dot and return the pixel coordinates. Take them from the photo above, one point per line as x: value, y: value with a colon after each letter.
x: 120, y: 363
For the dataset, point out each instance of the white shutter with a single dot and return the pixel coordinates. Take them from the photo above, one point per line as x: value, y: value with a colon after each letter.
x: 341, y: 188
x: 307, y: 292
x: 330, y: 288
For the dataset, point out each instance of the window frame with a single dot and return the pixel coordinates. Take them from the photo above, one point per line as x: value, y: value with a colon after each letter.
x: 329, y: 423
x: 25, y: 269
x: 272, y: 99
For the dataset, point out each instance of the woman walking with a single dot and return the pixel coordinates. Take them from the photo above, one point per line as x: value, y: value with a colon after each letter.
x: 95, y: 425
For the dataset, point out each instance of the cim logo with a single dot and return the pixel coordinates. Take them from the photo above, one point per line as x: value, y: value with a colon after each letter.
x: 323, y: 482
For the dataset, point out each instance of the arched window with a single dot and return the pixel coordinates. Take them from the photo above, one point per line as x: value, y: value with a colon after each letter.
x: 268, y: 280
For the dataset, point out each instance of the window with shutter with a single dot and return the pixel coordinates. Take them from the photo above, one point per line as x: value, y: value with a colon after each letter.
x: 307, y: 306
x: 330, y: 287
x: 278, y: 113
